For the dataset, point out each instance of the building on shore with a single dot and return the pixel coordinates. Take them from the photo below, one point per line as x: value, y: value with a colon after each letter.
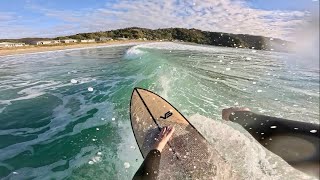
x: 105, y: 39
x: 9, y: 44
x: 55, y: 41
x: 87, y: 40
x: 122, y: 39
x: 69, y: 41
x: 45, y: 42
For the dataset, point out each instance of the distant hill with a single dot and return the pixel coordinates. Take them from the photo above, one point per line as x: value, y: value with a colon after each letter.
x: 182, y: 34
x: 24, y: 40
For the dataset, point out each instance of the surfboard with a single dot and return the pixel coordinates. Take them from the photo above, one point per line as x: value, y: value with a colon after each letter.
x: 187, y: 155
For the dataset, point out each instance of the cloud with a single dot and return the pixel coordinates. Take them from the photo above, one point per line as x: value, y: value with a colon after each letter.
x: 232, y: 16
x: 6, y: 16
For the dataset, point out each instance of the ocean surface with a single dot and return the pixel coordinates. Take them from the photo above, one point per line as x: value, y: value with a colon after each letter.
x: 65, y: 114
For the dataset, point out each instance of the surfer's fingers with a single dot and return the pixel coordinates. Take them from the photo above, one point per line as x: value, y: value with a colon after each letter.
x: 163, y: 131
x: 170, y: 132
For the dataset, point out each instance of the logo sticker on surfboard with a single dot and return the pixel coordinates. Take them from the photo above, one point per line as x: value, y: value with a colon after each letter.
x: 166, y: 115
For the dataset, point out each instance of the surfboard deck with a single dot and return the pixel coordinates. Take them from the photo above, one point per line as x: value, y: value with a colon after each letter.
x: 188, y: 155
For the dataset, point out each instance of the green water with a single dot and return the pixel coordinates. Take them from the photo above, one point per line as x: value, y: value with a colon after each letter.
x: 54, y: 128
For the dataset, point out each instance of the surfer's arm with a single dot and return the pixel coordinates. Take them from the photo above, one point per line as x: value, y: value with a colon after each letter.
x: 259, y: 123
x: 150, y: 166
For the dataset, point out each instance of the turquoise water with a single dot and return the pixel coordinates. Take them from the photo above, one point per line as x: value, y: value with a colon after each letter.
x: 64, y: 114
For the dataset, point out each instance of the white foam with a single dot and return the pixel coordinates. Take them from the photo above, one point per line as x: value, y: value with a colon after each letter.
x: 133, y: 52
x: 178, y: 46
x: 165, y: 85
x: 33, y: 92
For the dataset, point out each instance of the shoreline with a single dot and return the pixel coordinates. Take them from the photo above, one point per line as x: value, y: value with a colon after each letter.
x: 38, y: 49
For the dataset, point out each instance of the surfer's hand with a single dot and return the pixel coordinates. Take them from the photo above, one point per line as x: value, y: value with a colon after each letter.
x: 226, y: 112
x: 164, y: 136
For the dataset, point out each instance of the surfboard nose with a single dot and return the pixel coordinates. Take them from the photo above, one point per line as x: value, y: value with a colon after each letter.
x: 138, y: 89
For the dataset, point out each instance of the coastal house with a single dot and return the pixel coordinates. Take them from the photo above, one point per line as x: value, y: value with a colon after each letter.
x: 55, y: 41
x: 87, y: 40
x: 105, y: 39
x: 9, y: 44
x: 69, y: 41
x: 46, y: 42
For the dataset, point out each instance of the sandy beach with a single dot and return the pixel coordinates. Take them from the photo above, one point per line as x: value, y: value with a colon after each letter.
x: 34, y: 49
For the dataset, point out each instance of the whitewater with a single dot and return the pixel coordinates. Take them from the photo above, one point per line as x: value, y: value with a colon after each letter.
x: 64, y: 114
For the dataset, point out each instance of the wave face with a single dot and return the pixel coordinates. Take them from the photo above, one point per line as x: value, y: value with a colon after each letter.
x: 65, y: 114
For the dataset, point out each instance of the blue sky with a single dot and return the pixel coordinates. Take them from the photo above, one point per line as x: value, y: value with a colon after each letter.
x: 50, y: 18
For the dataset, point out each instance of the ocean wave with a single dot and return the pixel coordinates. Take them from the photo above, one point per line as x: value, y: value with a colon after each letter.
x: 203, y: 48
x: 134, y: 52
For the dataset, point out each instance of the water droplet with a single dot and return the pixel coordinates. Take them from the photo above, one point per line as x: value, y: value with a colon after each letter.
x: 73, y: 81
x: 228, y: 69
x: 113, y: 119
x: 273, y: 127
x: 248, y: 58
x: 254, y: 82
x: 90, y: 89
x: 259, y: 90
x: 296, y: 128
x: 102, y: 119
x: 194, y: 167
x: 313, y: 131
x: 96, y: 159
x: 97, y: 129
x: 170, y: 149
x: 126, y: 165
x: 99, y: 153
x: 90, y: 162
x: 14, y: 172
x: 94, y: 140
